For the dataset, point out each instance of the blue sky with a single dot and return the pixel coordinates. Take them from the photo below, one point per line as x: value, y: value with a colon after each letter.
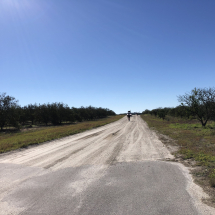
x: 120, y: 54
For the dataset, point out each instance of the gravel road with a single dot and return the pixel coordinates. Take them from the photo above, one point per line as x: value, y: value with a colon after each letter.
x: 121, y: 168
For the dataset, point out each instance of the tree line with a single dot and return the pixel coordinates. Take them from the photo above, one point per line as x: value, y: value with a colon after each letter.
x: 12, y: 114
x: 198, y: 104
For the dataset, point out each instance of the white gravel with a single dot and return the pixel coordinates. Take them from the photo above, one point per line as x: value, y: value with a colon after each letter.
x: 97, y: 149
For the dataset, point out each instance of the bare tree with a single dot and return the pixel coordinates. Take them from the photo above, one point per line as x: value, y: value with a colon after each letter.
x: 201, y: 103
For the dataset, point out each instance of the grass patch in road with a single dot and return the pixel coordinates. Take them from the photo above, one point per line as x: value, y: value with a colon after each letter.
x: 12, y: 141
x: 195, y: 142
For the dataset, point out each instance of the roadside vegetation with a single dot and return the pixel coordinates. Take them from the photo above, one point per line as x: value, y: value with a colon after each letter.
x: 23, y: 138
x: 13, y: 115
x: 34, y: 124
x: 192, y: 126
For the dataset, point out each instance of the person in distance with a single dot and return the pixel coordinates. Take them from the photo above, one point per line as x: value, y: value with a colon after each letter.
x: 129, y: 115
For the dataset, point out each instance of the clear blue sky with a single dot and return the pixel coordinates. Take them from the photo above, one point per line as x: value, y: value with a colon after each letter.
x: 120, y: 54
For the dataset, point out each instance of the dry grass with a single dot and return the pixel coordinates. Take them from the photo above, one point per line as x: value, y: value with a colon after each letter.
x: 195, y: 142
x: 24, y: 138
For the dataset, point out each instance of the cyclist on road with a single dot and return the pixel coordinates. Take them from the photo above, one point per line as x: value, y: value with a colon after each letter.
x: 129, y: 115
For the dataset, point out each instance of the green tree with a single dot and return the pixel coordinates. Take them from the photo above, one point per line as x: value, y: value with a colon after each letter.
x: 43, y: 112
x: 13, y: 117
x: 31, y: 112
x: 22, y: 112
x: 154, y: 112
x: 7, y: 107
x: 162, y: 112
x: 201, y: 103
x: 146, y: 111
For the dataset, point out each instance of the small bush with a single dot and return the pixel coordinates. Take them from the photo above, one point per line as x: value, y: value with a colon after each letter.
x: 212, y: 178
x: 187, y: 153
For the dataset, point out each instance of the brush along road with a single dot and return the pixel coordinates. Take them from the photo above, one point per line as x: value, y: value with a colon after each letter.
x: 119, y: 168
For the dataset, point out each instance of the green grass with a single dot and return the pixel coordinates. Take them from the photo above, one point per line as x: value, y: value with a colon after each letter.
x: 195, y: 141
x: 203, y: 159
x: 212, y: 178
x: 185, y: 126
x: 12, y: 141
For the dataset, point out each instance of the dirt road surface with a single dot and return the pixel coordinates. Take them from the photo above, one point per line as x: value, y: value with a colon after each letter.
x: 118, y: 169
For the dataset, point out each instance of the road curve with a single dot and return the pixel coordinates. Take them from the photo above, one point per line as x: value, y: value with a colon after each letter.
x: 120, y: 168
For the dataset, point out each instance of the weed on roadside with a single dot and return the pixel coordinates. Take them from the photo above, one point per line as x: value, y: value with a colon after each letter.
x: 212, y: 178
x: 195, y: 142
x: 196, y: 148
